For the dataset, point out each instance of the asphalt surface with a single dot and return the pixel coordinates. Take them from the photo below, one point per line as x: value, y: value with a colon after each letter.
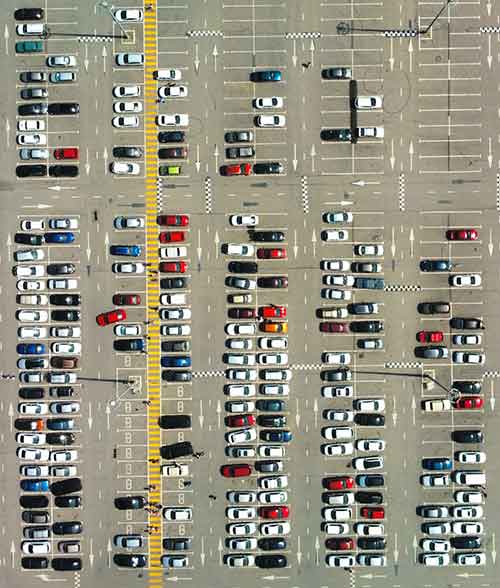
x: 436, y: 168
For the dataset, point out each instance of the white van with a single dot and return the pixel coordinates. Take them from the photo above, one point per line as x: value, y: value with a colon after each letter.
x: 338, y: 433
x: 469, y: 477
x: 436, y: 405
x: 337, y: 514
x: 173, y: 299
x: 167, y: 74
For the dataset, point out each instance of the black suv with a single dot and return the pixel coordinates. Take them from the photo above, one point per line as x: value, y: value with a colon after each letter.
x: 271, y: 167
x: 243, y: 267
x: 468, y: 436
x: 369, y: 419
x: 130, y: 502
x: 436, y: 265
x: 171, y: 283
x: 434, y: 308
x: 27, y: 239
x: 65, y: 315
x: 65, y: 299
x: 64, y: 108
x: 63, y: 171
x: 31, y: 171
x: 175, y: 450
x: 133, y: 152
x: 61, y: 269
x: 466, y: 323
x: 177, y: 543
x: 270, y: 561
x: 267, y: 236
x: 467, y: 387
x: 174, y: 421
x: 175, y: 346
x: 32, y: 109
x: 171, y: 137
x: 367, y: 326
x: 369, y: 497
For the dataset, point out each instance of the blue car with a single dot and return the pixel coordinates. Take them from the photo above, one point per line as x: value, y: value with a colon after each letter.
x: 278, y: 436
x: 59, y: 237
x: 35, y: 485
x: 172, y: 361
x: 30, y: 348
x: 437, y: 463
x: 271, y: 75
x: 128, y: 250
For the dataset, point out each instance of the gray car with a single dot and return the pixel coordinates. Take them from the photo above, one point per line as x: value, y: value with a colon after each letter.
x: 430, y: 352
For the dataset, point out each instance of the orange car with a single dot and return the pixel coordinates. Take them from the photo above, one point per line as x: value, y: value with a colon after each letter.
x: 271, y: 327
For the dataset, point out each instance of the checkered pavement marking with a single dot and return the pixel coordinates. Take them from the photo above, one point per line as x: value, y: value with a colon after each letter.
x: 403, y: 33
x: 208, y: 374
x: 489, y: 29
x: 208, y: 195
x: 491, y: 374
x: 313, y: 35
x: 305, y: 194
x: 159, y: 193
x: 402, y: 192
x: 204, y: 33
x: 403, y: 364
x: 95, y: 39
x: 498, y: 191
x: 403, y: 288
x: 306, y: 366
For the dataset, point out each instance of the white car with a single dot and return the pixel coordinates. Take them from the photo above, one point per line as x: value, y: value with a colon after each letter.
x: 273, y: 497
x: 435, y: 480
x: 272, y: 358
x: 63, y: 471
x: 336, y: 528
x: 242, y: 375
x: 66, y: 347
x: 467, y: 512
x: 340, y: 498
x: 336, y: 358
x: 334, y: 294
x: 368, y: 102
x: 34, y: 471
x: 370, y: 444
x: 240, y: 452
x: 369, y: 249
x: 370, y: 132
x: 334, y: 449
x: 335, y: 514
x: 335, y: 235
x: 243, y: 560
x: 337, y: 391
x: 239, y: 344
x: 32, y: 29
x: 61, y: 61
x: 38, y: 139
x: 465, y: 497
x: 28, y: 271
x: 236, y: 513
x: 335, y: 265
x: 239, y: 497
x: 128, y: 268
x: 466, y: 339
x: 340, y: 561
x: 172, y: 252
x: 64, y: 407
x: 31, y: 125
x: 274, y: 389
x: 241, y: 529
x: 124, y: 107
x: 435, y: 560
x: 373, y: 462
x: 32, y: 333
x: 30, y: 316
x: 273, y: 482
x: 34, y: 299
x: 31, y: 224
x: 369, y: 529
x: 128, y: 121
x: 172, y: 330
x: 63, y: 223
x: 465, y: 280
x: 62, y: 378
x: 437, y: 528
x: 338, y: 280
x: 31, y: 454
x: 369, y: 404
x: 273, y: 343
x: 172, y: 91
x: 270, y: 120
x: 127, y: 330
x: 337, y: 433
x: 244, y: 220
x: 239, y: 406
x: 175, y: 120
x: 126, y: 91
x: 30, y: 377
x: 460, y: 528
x: 31, y: 439
x: 462, y: 357
x: 29, y: 255
x: 63, y: 456
x: 241, y: 436
x: 240, y: 329
x: 371, y: 559
x: 276, y: 375
x: 175, y: 471
x: 178, y: 514
x: 32, y: 408
x: 65, y: 331
x: 470, y: 559
x: 168, y: 74
x: 271, y: 451
x: 129, y: 15
x: 62, y: 284
x: 338, y: 414
x: 174, y: 313
x: 271, y: 102
x: 338, y: 217
x: 128, y: 222
x: 35, y: 547
x: 129, y: 59
x: 242, y: 249
x: 239, y: 358
x: 471, y: 457
x: 240, y: 391
x: 282, y: 528
x: 125, y: 168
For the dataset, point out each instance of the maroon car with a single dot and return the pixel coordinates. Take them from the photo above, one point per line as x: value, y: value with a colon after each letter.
x: 241, y: 313
x: 172, y: 153
x: 339, y: 543
x: 333, y: 327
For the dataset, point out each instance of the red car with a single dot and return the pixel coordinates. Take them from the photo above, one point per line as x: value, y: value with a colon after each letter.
x: 173, y: 267
x: 173, y: 220
x: 171, y: 237
x: 333, y: 327
x: 462, y: 235
x: 241, y: 313
x: 372, y: 513
x: 469, y: 402
x: 430, y: 336
x: 237, y: 470
x: 340, y: 544
x: 272, y: 311
x: 238, y: 169
x: 339, y: 483
x: 123, y: 299
x: 274, y: 512
x: 264, y: 253
x: 66, y: 153
x: 240, y: 420
x: 113, y: 316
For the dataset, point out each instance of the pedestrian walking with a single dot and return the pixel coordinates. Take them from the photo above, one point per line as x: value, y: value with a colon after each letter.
x: 146, y: 322
x: 146, y: 402
x: 306, y: 64
x: 212, y: 497
x: 154, y: 308
x: 154, y: 460
x: 187, y: 483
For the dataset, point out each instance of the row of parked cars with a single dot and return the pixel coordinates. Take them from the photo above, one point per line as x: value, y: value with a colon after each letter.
x: 256, y: 433
x: 49, y: 349
x: 452, y: 533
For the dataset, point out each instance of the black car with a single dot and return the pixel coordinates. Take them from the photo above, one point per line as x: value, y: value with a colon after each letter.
x: 436, y: 265
x: 60, y: 424
x: 272, y: 282
x: 369, y: 420
x: 468, y: 436
x: 339, y: 375
x: 466, y: 542
x: 175, y: 450
x: 431, y: 352
x: 336, y: 73
x: 130, y: 560
x: 34, y: 501
x: 243, y: 267
x: 239, y: 152
x: 132, y: 152
x: 60, y: 269
x: 267, y: 236
x: 176, y: 345
x: 34, y: 363
x: 366, y: 326
x: 68, y: 501
x: 271, y: 420
x: 60, y: 438
x: 29, y: 14
x: 36, y: 108
x: 374, y: 543
x: 31, y: 393
x: 269, y: 167
x: 66, y: 564
x: 171, y: 376
x: 270, y: 561
x: 61, y: 391
x: 34, y: 93
x: 267, y: 466
x: 30, y: 77
x: 369, y: 497
x: 65, y: 299
x: 130, y: 502
x: 467, y: 387
x: 172, y: 153
x: 174, y: 421
x: 364, y: 267
x: 34, y: 563
x: 67, y: 528
x: 171, y: 137
x: 369, y: 283
x: 64, y: 108
x: 370, y: 480
x: 63, y: 171
x: 238, y: 137
x: 361, y: 308
x: 338, y: 135
x: 177, y: 543
x: 65, y: 315
x: 31, y: 171
x: 128, y: 344
x: 434, y: 308
x: 27, y: 239
x: 67, y: 486
x: 466, y: 323
x: 272, y: 543
x: 171, y: 283
x: 270, y: 405
x: 35, y: 517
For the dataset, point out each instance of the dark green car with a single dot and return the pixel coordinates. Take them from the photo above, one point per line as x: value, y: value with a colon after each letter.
x: 29, y: 47
x: 342, y: 135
